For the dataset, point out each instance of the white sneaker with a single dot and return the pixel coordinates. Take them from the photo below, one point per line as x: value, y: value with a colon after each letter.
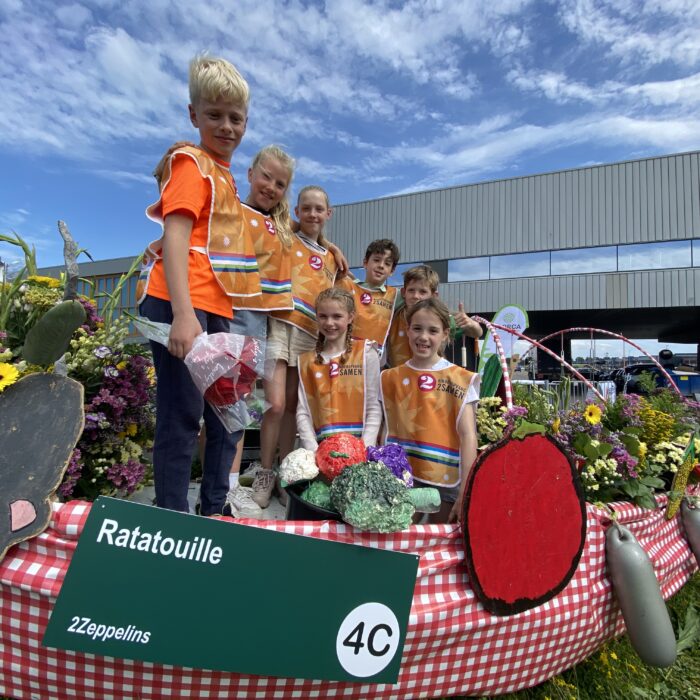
x: 262, y: 488
x: 241, y: 503
x: 247, y: 477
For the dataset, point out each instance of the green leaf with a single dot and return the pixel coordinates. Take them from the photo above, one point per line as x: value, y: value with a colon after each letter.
x: 50, y: 337
x: 689, y: 632
x: 632, y: 488
x: 525, y: 428
x: 604, y: 449
x: 646, y: 500
x: 631, y: 443
x: 491, y: 377
x: 653, y: 482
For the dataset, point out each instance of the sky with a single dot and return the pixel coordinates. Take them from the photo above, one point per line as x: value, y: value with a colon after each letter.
x: 371, y: 98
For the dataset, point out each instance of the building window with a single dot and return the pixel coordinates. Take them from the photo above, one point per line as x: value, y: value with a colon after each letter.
x: 696, y: 253
x: 653, y: 256
x: 584, y: 260
x: 521, y: 265
x: 467, y: 269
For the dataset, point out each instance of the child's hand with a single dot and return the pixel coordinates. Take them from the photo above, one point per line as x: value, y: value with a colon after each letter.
x: 158, y: 172
x: 456, y: 511
x: 340, y: 260
x: 468, y: 326
x: 182, y: 334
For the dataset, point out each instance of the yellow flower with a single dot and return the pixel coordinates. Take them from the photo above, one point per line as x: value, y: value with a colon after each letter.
x: 122, y: 365
x: 49, y: 282
x: 131, y: 429
x: 613, y: 656
x: 556, y: 425
x: 8, y: 375
x: 642, y: 450
x: 592, y: 414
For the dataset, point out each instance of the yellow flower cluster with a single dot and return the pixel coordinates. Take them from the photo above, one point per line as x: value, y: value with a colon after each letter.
x: 490, y: 423
x: 41, y: 297
x: 48, y: 282
x: 657, y: 426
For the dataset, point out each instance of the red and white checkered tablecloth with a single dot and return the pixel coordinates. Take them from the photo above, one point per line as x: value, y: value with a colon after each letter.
x: 453, y: 646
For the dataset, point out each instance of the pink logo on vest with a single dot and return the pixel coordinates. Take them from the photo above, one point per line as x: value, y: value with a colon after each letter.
x: 426, y: 382
x: 270, y: 227
x: 315, y: 262
x: 365, y: 298
x: 333, y: 370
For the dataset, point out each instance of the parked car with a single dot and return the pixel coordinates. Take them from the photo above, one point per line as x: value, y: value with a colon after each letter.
x: 687, y: 382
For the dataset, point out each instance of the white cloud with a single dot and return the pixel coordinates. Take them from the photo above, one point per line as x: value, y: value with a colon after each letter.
x: 632, y: 30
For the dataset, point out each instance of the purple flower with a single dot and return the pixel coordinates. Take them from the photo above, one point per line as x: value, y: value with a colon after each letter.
x: 393, y: 457
x: 111, y: 372
x: 72, y: 474
x: 126, y: 477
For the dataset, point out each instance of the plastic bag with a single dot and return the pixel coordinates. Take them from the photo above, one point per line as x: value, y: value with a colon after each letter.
x: 225, y: 368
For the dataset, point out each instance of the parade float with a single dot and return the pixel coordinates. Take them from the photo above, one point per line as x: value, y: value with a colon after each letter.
x: 568, y: 507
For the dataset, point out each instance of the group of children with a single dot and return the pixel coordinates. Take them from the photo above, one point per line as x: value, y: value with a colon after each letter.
x: 248, y: 267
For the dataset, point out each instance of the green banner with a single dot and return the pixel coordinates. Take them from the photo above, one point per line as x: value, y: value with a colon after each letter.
x: 156, y: 585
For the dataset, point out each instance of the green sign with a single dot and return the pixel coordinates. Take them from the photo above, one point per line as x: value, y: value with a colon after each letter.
x: 156, y: 585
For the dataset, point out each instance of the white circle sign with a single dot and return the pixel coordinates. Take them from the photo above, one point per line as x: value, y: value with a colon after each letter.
x: 367, y: 639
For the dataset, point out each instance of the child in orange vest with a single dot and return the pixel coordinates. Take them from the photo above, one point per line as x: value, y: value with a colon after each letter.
x: 421, y: 282
x: 375, y: 300
x: 339, y: 380
x: 429, y: 408
x: 191, y: 278
x: 293, y: 332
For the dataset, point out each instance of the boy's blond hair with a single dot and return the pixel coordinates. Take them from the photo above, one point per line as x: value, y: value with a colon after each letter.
x: 422, y: 273
x: 213, y: 78
x: 280, y: 213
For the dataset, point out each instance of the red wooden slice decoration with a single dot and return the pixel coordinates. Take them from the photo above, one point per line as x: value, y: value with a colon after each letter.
x: 525, y: 524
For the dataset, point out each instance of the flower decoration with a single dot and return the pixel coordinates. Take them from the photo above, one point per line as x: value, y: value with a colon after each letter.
x: 109, y: 458
x: 592, y: 414
x: 393, y: 457
x: 8, y: 375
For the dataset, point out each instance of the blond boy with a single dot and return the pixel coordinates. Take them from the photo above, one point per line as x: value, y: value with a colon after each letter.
x: 191, y: 278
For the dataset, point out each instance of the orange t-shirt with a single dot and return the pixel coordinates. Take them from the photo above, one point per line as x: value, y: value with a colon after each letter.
x: 187, y: 192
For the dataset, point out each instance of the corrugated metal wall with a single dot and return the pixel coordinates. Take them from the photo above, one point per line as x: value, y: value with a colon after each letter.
x: 620, y: 290
x: 655, y: 199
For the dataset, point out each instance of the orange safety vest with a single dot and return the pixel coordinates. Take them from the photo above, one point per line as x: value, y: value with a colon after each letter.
x: 335, y: 393
x: 274, y: 261
x: 398, y: 349
x: 313, y: 270
x: 421, y: 411
x: 229, y: 246
x: 374, y: 310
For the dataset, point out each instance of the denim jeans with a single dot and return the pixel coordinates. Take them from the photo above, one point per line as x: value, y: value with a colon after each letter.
x: 179, y: 409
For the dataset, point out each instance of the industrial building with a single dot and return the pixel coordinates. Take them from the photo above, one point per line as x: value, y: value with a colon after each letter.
x: 612, y: 246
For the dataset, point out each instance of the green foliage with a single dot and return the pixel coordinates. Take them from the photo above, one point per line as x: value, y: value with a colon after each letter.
x: 647, y: 382
x: 525, y: 428
x: 113, y: 297
x: 491, y: 377
x: 318, y: 493
x: 536, y: 400
x: 368, y: 496
x: 50, y: 337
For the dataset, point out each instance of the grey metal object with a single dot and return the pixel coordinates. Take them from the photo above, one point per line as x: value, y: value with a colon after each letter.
x: 691, y: 524
x: 639, y: 596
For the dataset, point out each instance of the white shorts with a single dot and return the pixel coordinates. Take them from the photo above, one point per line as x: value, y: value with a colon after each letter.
x: 286, y: 342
